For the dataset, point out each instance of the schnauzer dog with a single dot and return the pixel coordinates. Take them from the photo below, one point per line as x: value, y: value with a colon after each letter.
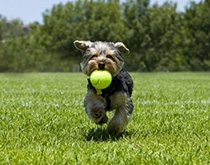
x: 107, y: 56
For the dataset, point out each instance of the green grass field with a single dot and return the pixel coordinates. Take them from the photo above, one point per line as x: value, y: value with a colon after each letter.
x: 42, y: 121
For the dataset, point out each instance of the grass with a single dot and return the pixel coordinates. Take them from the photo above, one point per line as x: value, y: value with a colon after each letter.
x: 42, y: 121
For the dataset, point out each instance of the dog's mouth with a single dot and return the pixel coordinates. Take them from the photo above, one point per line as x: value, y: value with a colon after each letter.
x: 113, y: 69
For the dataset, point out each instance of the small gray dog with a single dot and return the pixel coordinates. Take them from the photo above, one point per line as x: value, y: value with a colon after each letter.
x: 107, y: 56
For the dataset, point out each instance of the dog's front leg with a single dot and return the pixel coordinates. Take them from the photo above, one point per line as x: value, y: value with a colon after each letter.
x: 119, y: 121
x: 124, y: 107
x: 95, y: 108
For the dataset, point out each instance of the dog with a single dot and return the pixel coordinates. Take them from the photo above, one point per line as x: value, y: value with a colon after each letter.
x: 107, y: 56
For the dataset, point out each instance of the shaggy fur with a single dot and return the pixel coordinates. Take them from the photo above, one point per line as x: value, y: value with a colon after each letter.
x: 107, y: 56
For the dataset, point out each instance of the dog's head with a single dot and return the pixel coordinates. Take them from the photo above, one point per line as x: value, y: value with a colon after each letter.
x: 101, y: 56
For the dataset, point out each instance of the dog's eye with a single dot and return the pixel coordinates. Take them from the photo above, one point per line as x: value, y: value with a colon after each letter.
x: 108, y: 56
x: 93, y: 56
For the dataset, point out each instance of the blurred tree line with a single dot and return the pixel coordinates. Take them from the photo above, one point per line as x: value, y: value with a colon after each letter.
x: 159, y: 37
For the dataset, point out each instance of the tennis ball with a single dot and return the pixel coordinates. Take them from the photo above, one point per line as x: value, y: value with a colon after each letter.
x: 100, y: 79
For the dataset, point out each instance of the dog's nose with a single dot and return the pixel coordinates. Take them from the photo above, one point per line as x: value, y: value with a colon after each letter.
x: 101, y: 65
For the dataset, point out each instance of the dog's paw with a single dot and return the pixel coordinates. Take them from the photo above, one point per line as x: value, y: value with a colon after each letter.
x: 98, y: 114
x: 114, y: 128
x: 103, y: 120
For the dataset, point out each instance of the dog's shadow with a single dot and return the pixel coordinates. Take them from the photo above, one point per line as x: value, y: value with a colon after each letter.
x: 100, y: 134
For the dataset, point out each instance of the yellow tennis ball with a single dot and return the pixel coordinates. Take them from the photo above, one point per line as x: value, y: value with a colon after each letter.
x: 100, y: 79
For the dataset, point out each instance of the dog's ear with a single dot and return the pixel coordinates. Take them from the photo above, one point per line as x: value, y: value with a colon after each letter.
x: 82, y: 45
x: 122, y: 48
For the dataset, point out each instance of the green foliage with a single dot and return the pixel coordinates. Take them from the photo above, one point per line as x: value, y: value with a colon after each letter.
x: 42, y: 121
x: 198, y: 34
x: 159, y: 37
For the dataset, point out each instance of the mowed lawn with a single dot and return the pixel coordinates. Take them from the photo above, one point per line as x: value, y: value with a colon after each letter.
x: 42, y: 121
